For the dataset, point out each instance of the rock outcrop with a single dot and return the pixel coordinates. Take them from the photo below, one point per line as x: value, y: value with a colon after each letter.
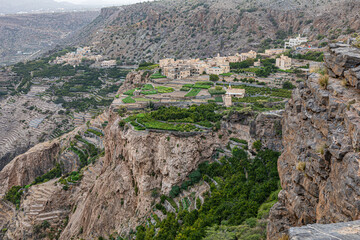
x: 267, y: 128
x: 335, y: 231
x: 319, y: 168
x: 135, y: 164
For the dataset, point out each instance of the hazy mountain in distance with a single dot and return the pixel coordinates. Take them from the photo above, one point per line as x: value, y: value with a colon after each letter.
x: 16, y: 6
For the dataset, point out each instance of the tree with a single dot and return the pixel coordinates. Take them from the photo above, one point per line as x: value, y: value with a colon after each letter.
x: 288, y: 85
x: 214, y: 77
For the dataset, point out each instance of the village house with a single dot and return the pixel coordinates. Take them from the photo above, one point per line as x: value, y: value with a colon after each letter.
x: 108, y: 64
x: 232, y: 92
x: 257, y: 63
x: 284, y: 62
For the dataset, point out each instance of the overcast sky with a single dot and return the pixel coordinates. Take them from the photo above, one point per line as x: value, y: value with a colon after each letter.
x: 102, y: 2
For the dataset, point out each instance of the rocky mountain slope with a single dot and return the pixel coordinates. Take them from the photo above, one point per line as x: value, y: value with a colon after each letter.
x: 319, y: 167
x: 28, y: 35
x: 199, y: 28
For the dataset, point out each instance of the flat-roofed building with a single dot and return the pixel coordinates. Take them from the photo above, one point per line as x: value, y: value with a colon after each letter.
x: 232, y: 92
x: 284, y: 62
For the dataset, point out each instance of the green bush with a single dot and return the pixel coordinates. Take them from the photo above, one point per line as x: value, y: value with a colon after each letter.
x: 239, y: 140
x: 257, y: 145
x: 14, y: 195
x: 288, y: 85
x: 53, y: 173
x: 175, y: 191
x: 214, y: 77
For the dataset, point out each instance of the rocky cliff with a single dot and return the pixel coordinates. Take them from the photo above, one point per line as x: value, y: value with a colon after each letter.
x: 319, y: 168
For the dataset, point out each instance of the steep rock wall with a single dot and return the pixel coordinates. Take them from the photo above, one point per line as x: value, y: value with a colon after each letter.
x: 319, y: 168
x: 136, y: 162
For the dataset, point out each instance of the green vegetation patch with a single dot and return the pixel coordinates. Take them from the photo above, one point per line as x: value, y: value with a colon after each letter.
x: 130, y: 92
x: 203, y: 85
x: 193, y: 93
x: 176, y: 119
x: 162, y: 89
x: 128, y: 100
x: 232, y: 208
x: 147, y: 66
x: 157, y: 76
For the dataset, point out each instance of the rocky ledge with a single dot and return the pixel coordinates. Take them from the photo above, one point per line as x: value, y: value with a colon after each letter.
x: 319, y: 168
x: 335, y: 231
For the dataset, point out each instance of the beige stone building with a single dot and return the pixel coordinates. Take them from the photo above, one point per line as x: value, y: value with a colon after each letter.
x: 257, y: 64
x: 232, y: 92
x: 284, y: 62
x: 108, y: 64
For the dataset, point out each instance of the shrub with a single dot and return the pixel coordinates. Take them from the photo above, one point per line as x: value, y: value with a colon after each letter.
x: 214, y: 77
x: 122, y: 123
x: 257, y: 145
x: 239, y: 140
x: 284, y: 237
x: 324, y: 81
x: 301, y: 166
x: 288, y: 85
x: 357, y: 42
x: 175, y: 191
x: 14, y: 195
x: 195, y: 176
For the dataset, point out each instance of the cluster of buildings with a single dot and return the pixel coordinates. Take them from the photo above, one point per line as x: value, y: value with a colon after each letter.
x: 183, y: 68
x: 75, y: 58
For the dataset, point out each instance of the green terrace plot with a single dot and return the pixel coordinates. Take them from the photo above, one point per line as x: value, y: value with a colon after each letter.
x: 147, y: 66
x: 226, y: 74
x: 161, y: 89
x: 217, y: 91
x: 128, y: 100
x: 157, y: 76
x: 148, y: 89
x: 264, y: 91
x: 177, y: 119
x: 193, y: 92
x: 203, y: 85
x: 257, y: 99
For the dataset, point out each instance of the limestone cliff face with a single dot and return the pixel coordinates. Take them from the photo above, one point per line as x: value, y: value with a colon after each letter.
x: 136, y: 163
x: 24, y: 168
x: 319, y: 168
